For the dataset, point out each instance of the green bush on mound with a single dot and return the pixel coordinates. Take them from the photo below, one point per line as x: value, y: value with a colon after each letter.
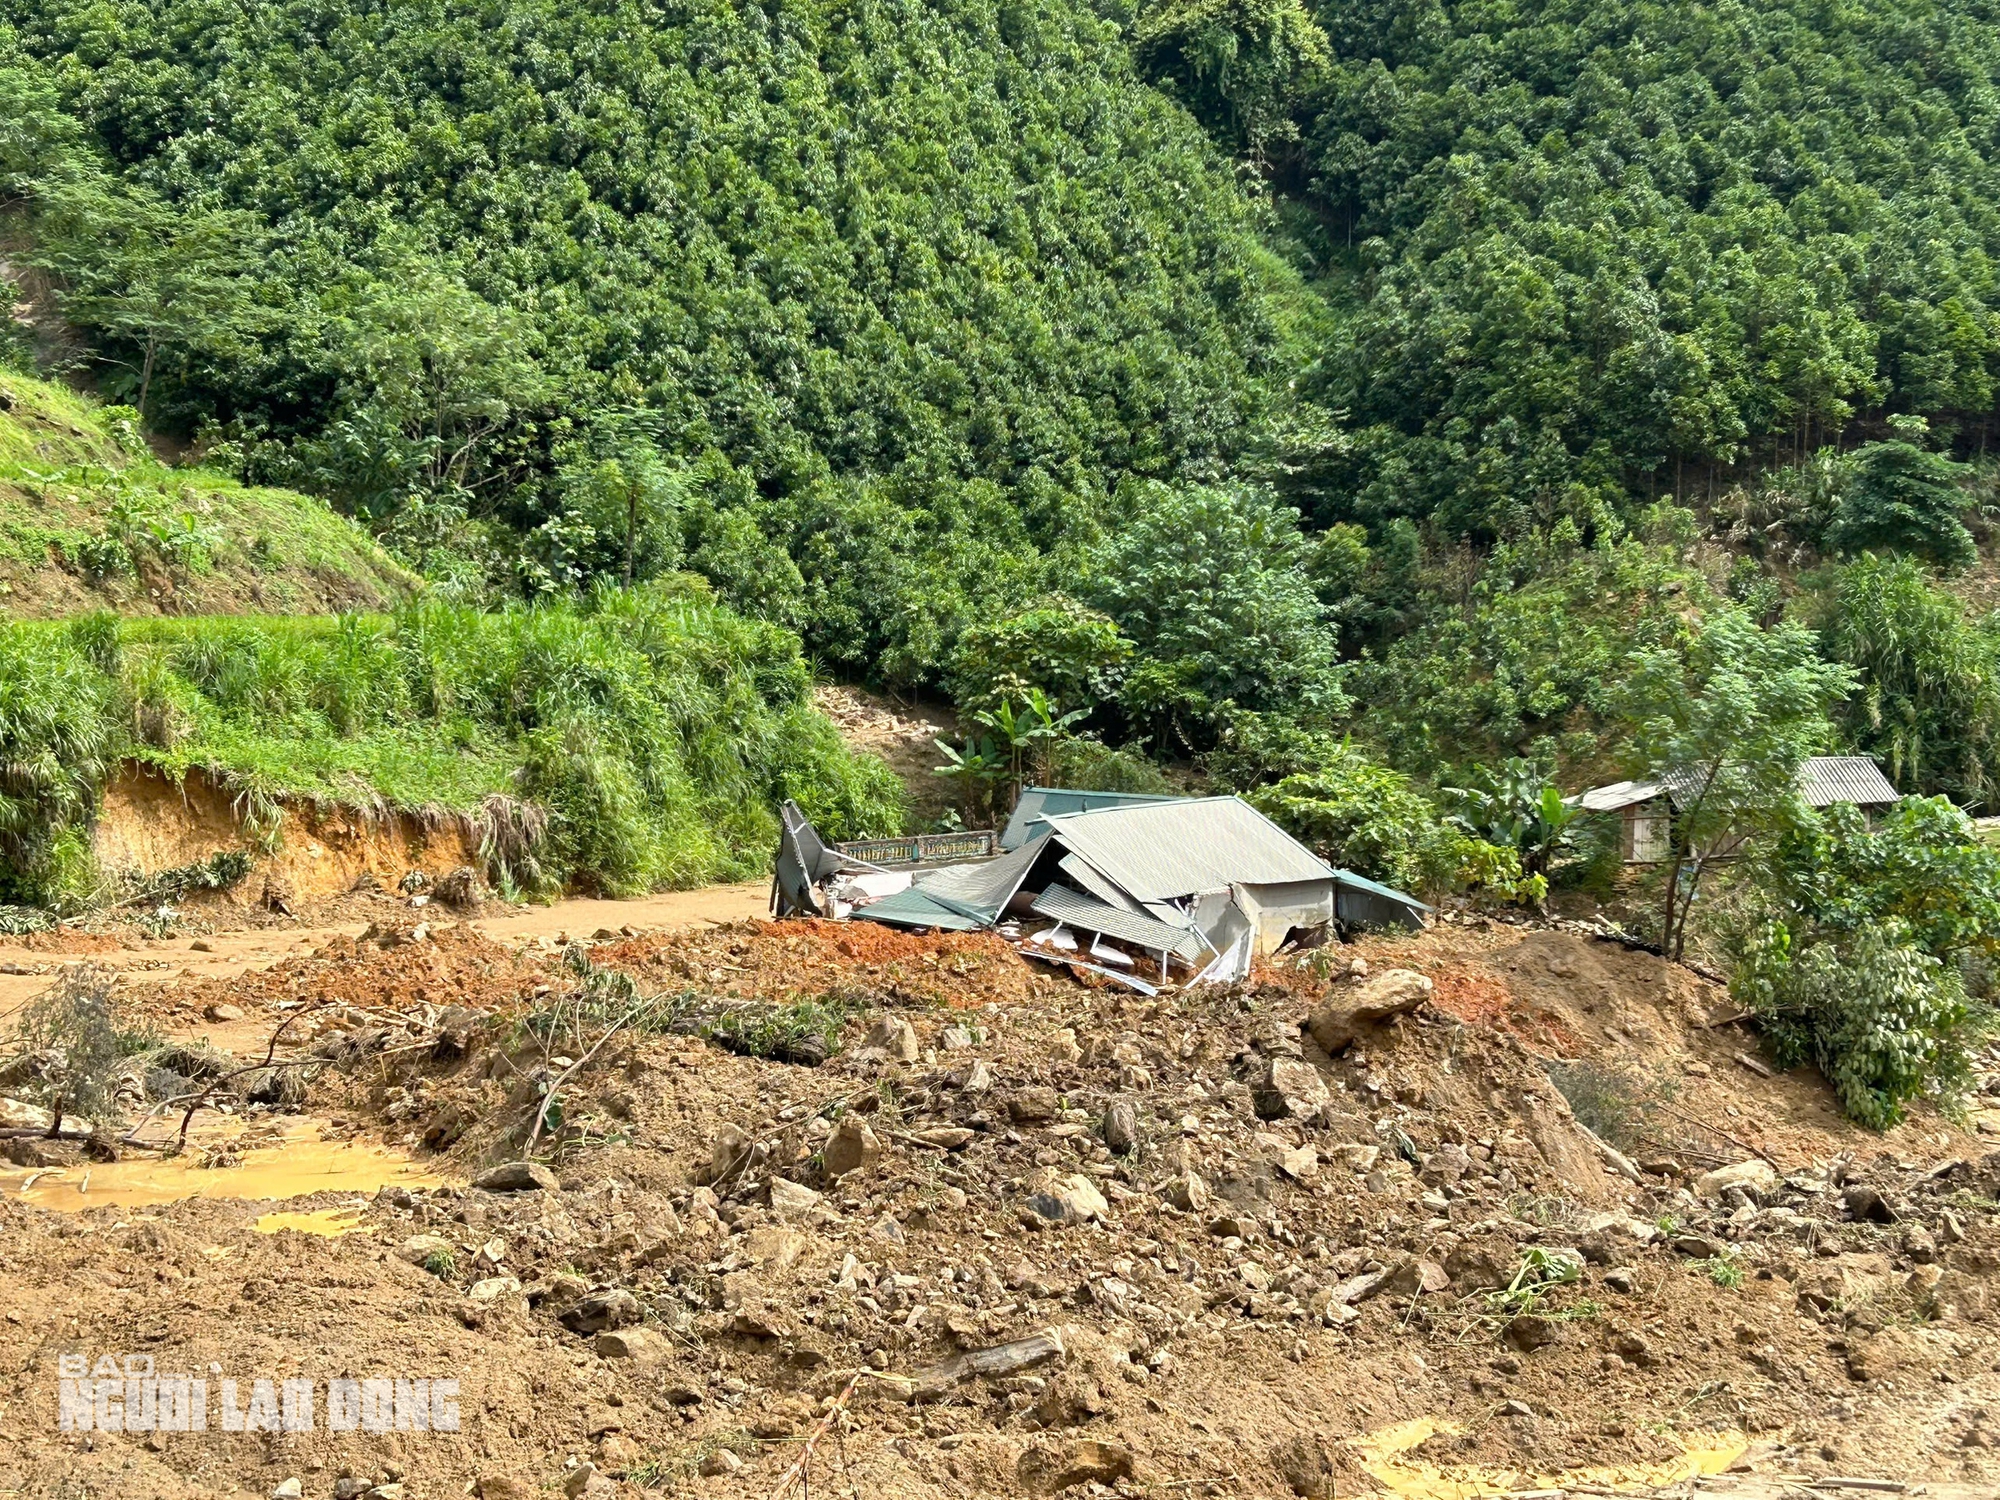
x: 622, y: 742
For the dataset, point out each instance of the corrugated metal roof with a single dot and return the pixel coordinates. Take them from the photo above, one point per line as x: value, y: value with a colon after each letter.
x: 1826, y: 779
x: 912, y: 908
x: 1620, y: 795
x: 986, y: 888
x: 1376, y: 888
x: 1078, y: 869
x: 1822, y: 781
x: 1076, y: 909
x: 1159, y: 850
x: 1035, y: 802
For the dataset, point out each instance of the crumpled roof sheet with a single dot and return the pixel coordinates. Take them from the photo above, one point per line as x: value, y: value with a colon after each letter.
x: 1075, y: 909
x: 984, y: 888
x: 1159, y: 850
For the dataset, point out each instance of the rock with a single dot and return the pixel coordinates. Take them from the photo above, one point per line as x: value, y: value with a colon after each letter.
x: 1301, y: 1165
x: 1069, y: 1200
x: 493, y: 1288
x: 1046, y: 1469
x: 1696, y: 1246
x: 943, y: 1137
x: 1601, y: 1247
x: 1448, y: 1164
x: 1531, y: 1331
x: 1634, y: 1349
x: 719, y: 1462
x: 727, y: 1152
x: 1035, y: 1105
x: 1865, y: 1205
x: 224, y: 1012
x: 419, y: 1248
x: 1883, y: 1353
x: 611, y: 1307
x: 853, y: 1147
x: 894, y: 1038
x: 1304, y: 1464
x: 1481, y: 1265
x: 585, y: 1483
x: 760, y: 1323
x: 1187, y: 1192
x: 1756, y: 1177
x: 1619, y: 1281
x: 1412, y: 1277
x: 288, y: 1489
x: 1919, y: 1245
x: 995, y: 1363
x: 628, y: 1343
x: 1288, y: 1088
x: 1356, y: 1158
x: 517, y: 1177
x: 1121, y: 1127
x: 1342, y: 1016
x: 789, y: 1199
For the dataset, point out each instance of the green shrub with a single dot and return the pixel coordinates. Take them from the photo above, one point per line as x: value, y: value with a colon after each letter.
x: 626, y: 741
x: 1369, y: 819
x: 1885, y: 1021
x: 1857, y: 948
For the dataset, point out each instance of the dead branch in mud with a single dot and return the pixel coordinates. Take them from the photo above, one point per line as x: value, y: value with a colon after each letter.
x: 549, y: 1097
x: 797, y: 1472
x: 270, y: 1061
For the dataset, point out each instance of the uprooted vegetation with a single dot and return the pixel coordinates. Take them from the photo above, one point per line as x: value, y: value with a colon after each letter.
x: 1009, y: 1229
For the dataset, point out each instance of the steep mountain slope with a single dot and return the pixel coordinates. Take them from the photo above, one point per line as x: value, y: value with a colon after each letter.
x: 89, y: 520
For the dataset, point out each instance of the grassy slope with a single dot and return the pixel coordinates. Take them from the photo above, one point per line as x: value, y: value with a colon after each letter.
x: 76, y: 492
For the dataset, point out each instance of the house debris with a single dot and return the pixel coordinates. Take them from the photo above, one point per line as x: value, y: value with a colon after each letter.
x: 1103, y: 881
x: 1647, y: 807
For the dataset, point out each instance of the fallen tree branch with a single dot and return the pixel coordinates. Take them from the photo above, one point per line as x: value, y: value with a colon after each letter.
x: 548, y: 1098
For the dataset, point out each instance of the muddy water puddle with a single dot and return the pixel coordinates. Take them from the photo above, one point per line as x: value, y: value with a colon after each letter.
x: 288, y: 1166
x: 1387, y: 1455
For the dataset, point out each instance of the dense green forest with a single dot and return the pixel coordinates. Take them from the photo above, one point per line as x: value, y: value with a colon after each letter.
x: 1401, y: 413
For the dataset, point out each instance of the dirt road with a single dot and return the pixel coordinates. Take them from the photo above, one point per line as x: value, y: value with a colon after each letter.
x: 27, y: 967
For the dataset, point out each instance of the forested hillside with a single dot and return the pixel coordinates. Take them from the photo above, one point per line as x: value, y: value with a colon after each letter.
x: 1593, y: 251
x: 855, y: 309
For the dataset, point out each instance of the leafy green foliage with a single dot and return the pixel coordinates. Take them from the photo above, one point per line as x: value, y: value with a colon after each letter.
x: 1726, y: 721
x: 1599, y: 251
x: 1858, y: 957
x: 1057, y: 646
x: 1367, y: 818
x: 648, y: 733
x: 1885, y: 1021
x: 906, y: 289
x: 1928, y: 704
x: 1515, y: 806
x: 1897, y: 497
x: 1518, y: 655
x: 1209, y: 586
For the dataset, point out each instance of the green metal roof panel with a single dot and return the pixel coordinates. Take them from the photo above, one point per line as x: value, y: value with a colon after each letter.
x: 912, y: 908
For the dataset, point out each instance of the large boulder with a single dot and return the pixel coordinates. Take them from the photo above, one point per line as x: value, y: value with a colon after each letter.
x: 1343, y: 1015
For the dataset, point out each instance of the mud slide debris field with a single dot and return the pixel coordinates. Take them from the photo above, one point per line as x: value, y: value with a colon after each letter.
x: 814, y: 1208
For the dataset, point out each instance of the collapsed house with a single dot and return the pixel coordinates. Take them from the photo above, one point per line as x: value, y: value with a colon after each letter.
x: 1103, y: 881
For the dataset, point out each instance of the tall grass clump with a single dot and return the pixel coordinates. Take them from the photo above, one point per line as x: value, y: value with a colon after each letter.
x: 624, y: 741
